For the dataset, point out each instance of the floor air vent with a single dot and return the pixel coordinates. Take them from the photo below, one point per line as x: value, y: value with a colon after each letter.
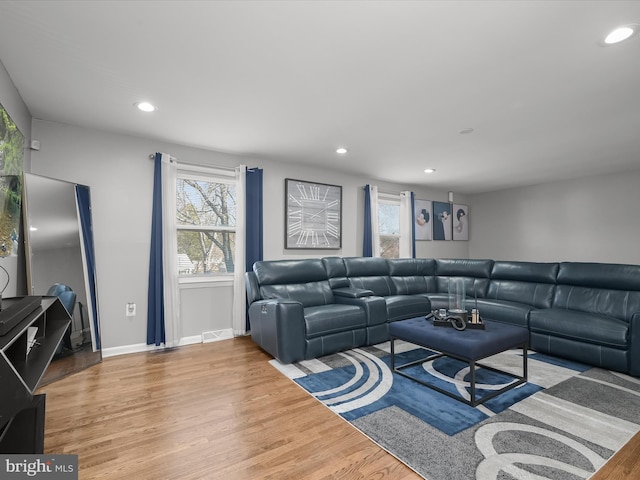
x: 216, y: 335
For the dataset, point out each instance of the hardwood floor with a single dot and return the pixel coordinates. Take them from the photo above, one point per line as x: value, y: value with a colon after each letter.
x: 216, y: 411
x: 209, y: 411
x: 60, y: 367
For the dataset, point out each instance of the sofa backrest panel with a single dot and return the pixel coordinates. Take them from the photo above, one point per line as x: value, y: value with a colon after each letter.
x: 608, y: 289
x: 334, y: 267
x: 412, y: 275
x: 474, y: 272
x: 365, y: 266
x: 523, y: 282
x: 278, y: 272
x: 600, y: 275
x: 474, y: 287
x: 463, y: 267
x: 380, y: 285
x: 539, y: 295
x: 404, y: 267
x: 412, y: 284
x: 611, y: 303
x: 336, y: 271
x: 525, y: 271
x: 370, y: 273
x: 304, y: 281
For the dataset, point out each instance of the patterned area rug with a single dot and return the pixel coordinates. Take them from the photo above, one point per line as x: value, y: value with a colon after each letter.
x: 562, y: 425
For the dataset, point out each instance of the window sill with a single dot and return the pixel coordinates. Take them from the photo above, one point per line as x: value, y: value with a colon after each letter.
x: 206, y: 280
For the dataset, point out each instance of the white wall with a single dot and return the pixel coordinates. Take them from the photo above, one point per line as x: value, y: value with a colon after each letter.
x: 352, y: 212
x: 587, y: 219
x: 591, y: 219
x: 120, y: 174
x: 12, y: 102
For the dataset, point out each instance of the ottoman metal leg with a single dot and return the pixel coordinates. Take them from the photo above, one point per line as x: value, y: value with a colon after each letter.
x: 393, y: 355
x: 473, y: 401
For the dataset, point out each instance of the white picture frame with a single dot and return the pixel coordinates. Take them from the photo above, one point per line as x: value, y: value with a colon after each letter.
x: 423, y: 219
x: 460, y: 218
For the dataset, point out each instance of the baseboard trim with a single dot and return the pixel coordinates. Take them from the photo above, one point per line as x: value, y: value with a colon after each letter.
x: 143, y: 347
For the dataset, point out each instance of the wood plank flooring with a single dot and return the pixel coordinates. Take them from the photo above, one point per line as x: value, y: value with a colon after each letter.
x: 216, y: 411
x: 82, y: 358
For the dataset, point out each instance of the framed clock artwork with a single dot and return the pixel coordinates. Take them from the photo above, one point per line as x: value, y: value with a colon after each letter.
x: 313, y: 215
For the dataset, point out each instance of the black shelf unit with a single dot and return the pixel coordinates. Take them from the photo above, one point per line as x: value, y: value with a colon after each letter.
x: 22, y: 368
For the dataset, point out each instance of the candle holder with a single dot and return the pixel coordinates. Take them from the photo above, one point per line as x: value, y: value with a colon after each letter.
x: 457, y: 296
x: 457, y: 316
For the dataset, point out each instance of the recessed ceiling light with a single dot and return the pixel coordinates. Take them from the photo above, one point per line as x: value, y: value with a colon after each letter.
x: 341, y: 150
x: 429, y: 170
x: 145, y: 106
x: 620, y: 34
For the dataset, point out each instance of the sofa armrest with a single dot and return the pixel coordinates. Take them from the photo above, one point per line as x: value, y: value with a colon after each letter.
x: 252, y: 287
x: 634, y: 345
x: 348, y: 292
x: 278, y: 327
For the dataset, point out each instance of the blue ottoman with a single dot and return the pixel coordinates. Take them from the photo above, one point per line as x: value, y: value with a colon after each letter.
x: 467, y: 345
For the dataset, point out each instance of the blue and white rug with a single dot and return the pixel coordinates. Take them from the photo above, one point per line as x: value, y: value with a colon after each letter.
x: 563, y: 424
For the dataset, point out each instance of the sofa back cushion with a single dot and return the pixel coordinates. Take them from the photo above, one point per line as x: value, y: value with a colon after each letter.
x: 336, y: 271
x: 523, y: 282
x: 605, y: 289
x: 412, y: 275
x: 370, y: 273
x: 404, y: 267
x: 600, y: 275
x: 304, y: 281
x: 475, y: 274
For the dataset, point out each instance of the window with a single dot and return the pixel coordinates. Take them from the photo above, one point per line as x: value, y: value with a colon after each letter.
x: 389, y: 225
x: 206, y: 223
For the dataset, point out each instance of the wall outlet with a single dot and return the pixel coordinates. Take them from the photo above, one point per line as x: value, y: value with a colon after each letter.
x: 130, y: 309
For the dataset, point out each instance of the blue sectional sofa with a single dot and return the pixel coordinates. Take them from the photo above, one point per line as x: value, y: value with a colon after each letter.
x: 589, y: 312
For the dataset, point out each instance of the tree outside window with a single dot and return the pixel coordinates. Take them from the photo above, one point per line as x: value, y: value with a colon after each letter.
x: 206, y: 224
x: 389, y: 226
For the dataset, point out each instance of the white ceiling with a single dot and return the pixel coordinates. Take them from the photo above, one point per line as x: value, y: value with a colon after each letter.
x: 393, y: 81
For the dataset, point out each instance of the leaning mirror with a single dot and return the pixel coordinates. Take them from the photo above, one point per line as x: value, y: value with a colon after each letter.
x: 59, y: 261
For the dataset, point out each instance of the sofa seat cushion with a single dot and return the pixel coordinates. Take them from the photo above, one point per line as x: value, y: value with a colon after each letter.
x: 438, y: 300
x: 580, y: 326
x: 400, y: 307
x: 335, y: 318
x: 502, y: 311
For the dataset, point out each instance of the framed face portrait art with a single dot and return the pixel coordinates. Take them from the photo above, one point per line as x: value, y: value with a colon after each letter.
x: 460, y: 219
x: 441, y: 221
x: 424, y: 215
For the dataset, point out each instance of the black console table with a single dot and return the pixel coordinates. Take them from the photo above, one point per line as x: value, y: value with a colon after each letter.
x: 25, y: 353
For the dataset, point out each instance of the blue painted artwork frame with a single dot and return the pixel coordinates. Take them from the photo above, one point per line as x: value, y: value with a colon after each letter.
x: 442, y: 221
